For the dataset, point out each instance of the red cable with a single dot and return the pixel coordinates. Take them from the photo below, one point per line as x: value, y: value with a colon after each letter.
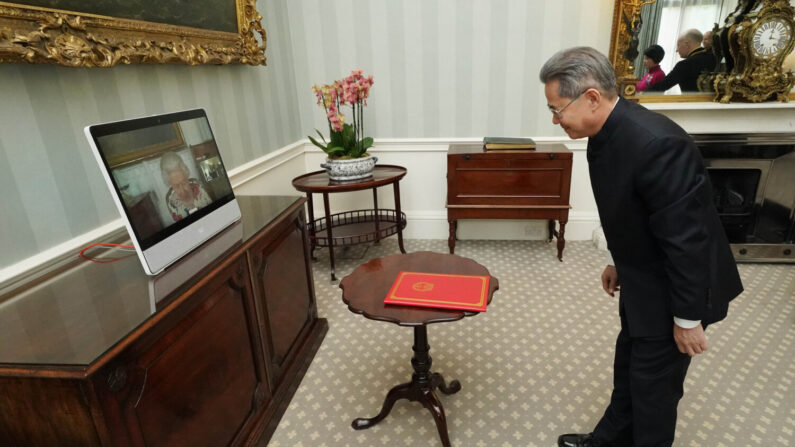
x: 104, y: 244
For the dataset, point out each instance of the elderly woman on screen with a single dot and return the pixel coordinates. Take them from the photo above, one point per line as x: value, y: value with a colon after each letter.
x: 185, y: 195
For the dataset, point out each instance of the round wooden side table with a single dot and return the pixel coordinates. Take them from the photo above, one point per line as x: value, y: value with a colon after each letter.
x: 356, y: 226
x: 364, y: 291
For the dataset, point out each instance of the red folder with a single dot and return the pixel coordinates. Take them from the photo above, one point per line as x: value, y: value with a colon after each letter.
x: 439, y: 290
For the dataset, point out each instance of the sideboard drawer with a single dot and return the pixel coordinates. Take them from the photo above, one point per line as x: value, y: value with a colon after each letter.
x: 512, y: 179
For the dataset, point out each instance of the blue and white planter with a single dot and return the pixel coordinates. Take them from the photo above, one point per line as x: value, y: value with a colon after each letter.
x: 351, y: 169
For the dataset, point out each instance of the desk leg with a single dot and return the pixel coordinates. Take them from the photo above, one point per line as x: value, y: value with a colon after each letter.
x: 422, y: 388
x: 312, y: 231
x: 377, y: 223
x: 561, y: 240
x: 451, y: 238
x: 329, y: 236
x: 396, y: 188
x: 551, y: 226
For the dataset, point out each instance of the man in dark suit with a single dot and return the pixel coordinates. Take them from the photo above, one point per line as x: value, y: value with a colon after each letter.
x: 672, y: 259
x: 697, y: 60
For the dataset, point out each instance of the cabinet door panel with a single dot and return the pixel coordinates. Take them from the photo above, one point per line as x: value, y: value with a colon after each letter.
x: 26, y: 422
x: 286, y: 299
x: 198, y: 385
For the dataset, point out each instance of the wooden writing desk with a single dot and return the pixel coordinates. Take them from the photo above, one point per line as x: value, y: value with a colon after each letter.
x: 509, y: 185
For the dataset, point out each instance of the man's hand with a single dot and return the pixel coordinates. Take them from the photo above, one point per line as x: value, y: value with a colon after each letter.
x: 610, y: 280
x: 690, y: 341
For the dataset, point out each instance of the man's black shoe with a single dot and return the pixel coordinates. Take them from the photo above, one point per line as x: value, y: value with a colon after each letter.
x: 577, y: 440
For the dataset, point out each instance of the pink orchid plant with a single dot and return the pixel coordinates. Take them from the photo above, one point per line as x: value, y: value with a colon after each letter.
x: 345, y: 140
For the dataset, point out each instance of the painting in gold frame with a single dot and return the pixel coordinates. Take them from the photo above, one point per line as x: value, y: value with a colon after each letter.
x: 38, y: 32
x: 137, y: 145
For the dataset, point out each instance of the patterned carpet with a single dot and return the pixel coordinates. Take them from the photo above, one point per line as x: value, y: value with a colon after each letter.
x: 539, y: 362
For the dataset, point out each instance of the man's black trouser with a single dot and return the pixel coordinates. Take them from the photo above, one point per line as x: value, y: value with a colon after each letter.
x: 648, y: 379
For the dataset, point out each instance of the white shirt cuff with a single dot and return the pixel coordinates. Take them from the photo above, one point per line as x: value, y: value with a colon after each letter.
x: 686, y: 324
x: 610, y: 258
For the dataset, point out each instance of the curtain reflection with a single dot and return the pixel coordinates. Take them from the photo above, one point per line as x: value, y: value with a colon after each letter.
x: 651, y: 15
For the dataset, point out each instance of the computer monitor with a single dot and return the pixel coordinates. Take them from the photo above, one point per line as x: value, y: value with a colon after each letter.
x: 168, y: 181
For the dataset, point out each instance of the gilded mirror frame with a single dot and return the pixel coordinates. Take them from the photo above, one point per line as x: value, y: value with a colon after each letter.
x: 41, y: 35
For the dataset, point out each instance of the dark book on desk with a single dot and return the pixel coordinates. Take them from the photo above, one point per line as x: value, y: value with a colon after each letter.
x: 440, y: 290
x: 508, y: 143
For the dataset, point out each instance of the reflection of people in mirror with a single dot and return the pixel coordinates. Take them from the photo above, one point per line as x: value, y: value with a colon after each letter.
x: 707, y: 41
x: 651, y: 60
x: 696, y: 60
x: 185, y: 195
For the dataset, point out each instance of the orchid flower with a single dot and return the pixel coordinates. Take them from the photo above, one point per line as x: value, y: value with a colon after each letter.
x: 346, y: 139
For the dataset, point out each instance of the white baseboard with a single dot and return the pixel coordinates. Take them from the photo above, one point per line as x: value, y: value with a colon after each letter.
x: 252, y: 170
x: 434, y: 225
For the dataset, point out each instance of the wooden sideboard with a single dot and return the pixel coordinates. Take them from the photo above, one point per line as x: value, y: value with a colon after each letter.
x: 509, y: 185
x: 93, y: 357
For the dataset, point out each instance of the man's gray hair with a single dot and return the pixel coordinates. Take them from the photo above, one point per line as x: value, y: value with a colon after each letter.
x: 693, y: 35
x: 578, y: 69
x: 169, y: 162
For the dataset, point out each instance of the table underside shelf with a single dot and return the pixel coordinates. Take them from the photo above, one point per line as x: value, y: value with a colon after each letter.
x: 356, y: 227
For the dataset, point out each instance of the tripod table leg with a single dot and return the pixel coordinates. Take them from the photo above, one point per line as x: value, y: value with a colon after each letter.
x: 403, y: 391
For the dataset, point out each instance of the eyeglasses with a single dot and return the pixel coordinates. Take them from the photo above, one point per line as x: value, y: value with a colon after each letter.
x: 558, y: 112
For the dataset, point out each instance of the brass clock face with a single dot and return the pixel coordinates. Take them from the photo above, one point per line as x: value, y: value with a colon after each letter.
x: 771, y: 37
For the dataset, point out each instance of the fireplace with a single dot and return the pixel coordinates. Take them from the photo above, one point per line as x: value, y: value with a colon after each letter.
x: 753, y: 178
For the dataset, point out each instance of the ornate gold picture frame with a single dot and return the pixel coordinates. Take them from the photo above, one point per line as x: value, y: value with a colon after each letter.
x: 138, y: 32
x: 149, y: 142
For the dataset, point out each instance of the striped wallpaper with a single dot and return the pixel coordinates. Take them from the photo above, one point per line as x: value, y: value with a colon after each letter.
x: 442, y: 68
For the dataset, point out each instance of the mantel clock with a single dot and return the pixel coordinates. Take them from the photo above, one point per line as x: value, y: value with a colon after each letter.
x: 759, y: 44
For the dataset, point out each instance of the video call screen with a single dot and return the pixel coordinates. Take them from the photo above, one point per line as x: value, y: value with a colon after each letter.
x: 168, y: 174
